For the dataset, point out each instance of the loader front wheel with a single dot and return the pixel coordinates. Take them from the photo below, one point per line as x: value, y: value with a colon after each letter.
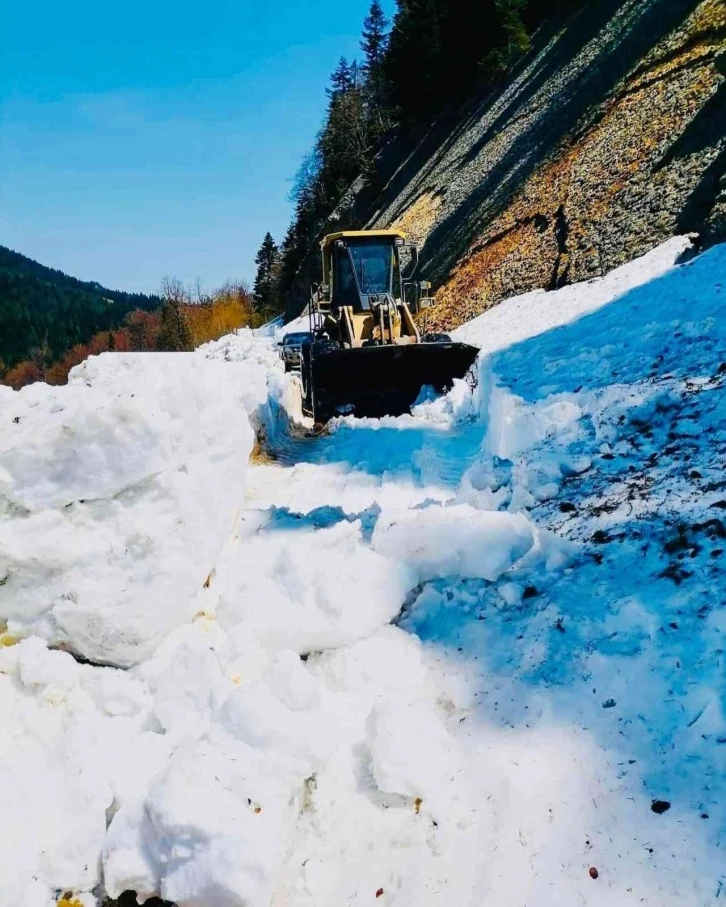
x: 322, y: 406
x: 315, y: 402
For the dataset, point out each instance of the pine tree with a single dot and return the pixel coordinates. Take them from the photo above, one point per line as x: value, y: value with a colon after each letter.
x: 374, y: 44
x: 439, y: 52
x: 374, y: 39
x: 266, y: 280
x: 341, y: 80
x: 412, y: 63
x: 510, y: 39
x: 435, y: 53
x: 174, y: 333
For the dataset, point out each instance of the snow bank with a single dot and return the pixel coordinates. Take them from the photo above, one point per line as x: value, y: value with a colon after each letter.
x: 522, y: 317
x: 116, y: 494
x: 206, y: 812
x: 302, y: 323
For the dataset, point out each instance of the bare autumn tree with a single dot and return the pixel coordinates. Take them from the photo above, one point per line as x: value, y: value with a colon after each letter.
x: 143, y: 328
x: 198, y: 296
x: 173, y: 291
x: 174, y: 334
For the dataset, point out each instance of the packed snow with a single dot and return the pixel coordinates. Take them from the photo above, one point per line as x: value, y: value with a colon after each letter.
x: 472, y: 655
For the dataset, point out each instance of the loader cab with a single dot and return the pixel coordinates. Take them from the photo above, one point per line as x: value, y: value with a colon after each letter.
x: 363, y: 269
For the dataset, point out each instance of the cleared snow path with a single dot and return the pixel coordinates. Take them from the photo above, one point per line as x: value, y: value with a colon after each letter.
x: 470, y: 656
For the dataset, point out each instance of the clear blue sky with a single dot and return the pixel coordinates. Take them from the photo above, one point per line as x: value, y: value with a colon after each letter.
x: 151, y: 138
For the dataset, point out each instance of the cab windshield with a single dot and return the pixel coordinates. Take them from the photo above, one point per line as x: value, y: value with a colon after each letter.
x: 373, y: 264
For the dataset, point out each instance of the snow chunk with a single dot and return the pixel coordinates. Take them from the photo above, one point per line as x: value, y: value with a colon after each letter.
x: 457, y: 540
x: 286, y: 713
x: 308, y: 590
x: 410, y: 748
x: 216, y: 826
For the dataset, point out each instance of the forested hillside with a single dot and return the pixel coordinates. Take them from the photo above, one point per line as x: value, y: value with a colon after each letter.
x: 41, y: 308
x: 430, y: 57
x: 50, y: 322
x: 522, y: 144
x: 433, y: 54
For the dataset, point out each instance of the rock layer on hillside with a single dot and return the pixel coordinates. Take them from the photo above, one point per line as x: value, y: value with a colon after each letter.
x: 608, y: 139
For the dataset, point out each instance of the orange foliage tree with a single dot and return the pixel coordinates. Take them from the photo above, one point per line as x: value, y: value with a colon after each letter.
x: 143, y: 329
x: 229, y: 308
x: 23, y: 373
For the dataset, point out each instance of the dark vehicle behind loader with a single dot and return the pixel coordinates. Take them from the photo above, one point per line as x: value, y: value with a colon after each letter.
x: 290, y: 348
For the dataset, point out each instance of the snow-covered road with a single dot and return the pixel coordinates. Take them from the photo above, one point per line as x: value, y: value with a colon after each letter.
x: 470, y: 656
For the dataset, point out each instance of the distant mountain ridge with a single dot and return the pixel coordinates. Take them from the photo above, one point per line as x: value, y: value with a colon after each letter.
x: 41, y: 307
x: 17, y: 263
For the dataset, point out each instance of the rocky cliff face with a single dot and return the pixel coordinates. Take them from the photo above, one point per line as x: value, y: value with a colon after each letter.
x: 609, y: 138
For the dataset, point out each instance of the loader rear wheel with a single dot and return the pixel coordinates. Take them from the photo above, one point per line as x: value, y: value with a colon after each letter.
x: 306, y: 379
x: 436, y: 338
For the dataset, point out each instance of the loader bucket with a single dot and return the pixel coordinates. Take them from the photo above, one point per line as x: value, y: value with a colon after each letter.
x: 385, y: 380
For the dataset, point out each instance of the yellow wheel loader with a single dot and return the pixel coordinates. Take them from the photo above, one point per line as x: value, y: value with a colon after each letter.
x: 366, y: 355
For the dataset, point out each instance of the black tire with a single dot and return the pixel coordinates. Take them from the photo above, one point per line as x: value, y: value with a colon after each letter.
x: 320, y: 407
x: 436, y: 338
x: 306, y: 379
